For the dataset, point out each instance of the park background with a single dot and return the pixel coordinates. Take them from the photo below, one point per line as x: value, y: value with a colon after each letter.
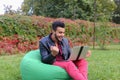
x: 88, y: 22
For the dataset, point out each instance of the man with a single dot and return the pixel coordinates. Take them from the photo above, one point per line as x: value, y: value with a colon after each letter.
x: 55, y: 50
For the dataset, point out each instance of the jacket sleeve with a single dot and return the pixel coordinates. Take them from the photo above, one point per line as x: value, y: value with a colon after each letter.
x: 46, y: 55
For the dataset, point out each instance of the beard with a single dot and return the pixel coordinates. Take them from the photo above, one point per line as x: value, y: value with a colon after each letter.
x: 57, y: 38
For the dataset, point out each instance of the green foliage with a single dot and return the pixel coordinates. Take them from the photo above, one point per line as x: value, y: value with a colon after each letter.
x: 116, y: 15
x: 28, y: 28
x: 103, y: 34
x: 20, y: 25
x: 115, y: 33
x: 103, y: 10
x: 78, y: 33
x: 73, y: 9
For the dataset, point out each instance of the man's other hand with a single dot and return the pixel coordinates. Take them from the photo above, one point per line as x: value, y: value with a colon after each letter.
x: 88, y: 54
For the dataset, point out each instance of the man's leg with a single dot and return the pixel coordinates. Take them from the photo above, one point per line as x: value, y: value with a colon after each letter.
x: 83, y: 67
x: 71, y: 69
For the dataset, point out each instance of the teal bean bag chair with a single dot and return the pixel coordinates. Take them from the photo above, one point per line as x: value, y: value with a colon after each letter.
x: 32, y: 68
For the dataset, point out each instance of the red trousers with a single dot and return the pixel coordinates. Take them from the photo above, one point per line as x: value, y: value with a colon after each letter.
x: 76, y: 69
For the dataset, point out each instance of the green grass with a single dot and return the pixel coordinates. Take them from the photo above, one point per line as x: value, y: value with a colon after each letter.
x: 10, y: 67
x: 109, y: 47
x: 103, y: 65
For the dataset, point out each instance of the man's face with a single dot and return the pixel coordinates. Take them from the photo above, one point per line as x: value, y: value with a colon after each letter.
x: 59, y: 33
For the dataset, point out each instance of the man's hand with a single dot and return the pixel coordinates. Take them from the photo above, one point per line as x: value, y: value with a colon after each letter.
x: 54, y: 50
x: 88, y: 54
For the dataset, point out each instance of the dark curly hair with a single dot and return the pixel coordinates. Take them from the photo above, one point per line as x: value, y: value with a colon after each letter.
x: 57, y: 24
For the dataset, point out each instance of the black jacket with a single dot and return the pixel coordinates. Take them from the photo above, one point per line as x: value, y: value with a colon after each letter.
x: 44, y: 46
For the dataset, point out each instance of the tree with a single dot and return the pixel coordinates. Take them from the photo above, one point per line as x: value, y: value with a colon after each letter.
x: 116, y: 16
x: 8, y: 10
x: 73, y: 9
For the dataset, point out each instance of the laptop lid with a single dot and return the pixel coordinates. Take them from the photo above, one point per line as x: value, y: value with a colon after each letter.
x: 78, y: 52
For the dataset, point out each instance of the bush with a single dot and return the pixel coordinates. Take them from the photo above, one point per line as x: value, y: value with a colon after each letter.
x: 22, y: 33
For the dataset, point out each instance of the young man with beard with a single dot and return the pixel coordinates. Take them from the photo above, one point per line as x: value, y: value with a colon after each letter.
x: 55, y: 50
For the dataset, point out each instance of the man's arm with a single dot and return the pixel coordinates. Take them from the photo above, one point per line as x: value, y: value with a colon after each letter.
x: 46, y: 55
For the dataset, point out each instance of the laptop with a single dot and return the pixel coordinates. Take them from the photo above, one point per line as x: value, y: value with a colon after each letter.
x: 78, y: 52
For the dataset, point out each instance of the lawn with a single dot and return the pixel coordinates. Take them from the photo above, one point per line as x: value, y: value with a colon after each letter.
x: 103, y: 65
x: 10, y: 67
